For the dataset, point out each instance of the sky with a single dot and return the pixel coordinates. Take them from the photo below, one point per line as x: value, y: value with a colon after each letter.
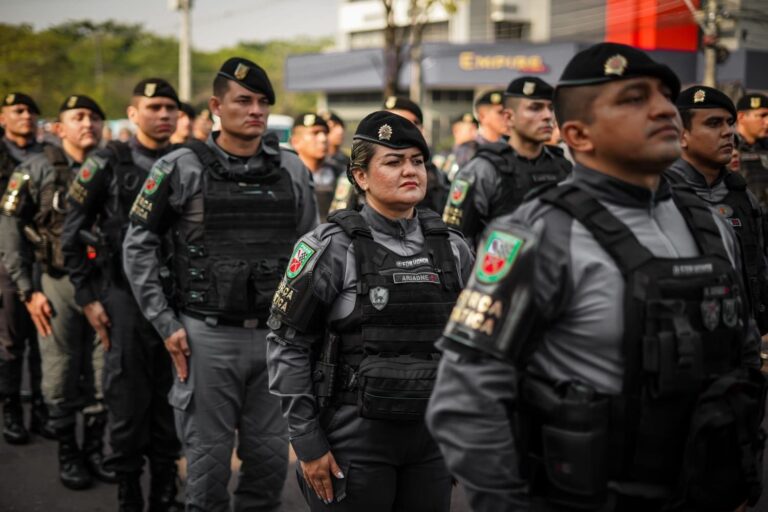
x: 215, y: 23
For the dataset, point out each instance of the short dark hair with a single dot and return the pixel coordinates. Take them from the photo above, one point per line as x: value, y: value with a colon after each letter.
x: 687, y: 116
x: 575, y: 103
x: 220, y: 86
x: 360, y: 157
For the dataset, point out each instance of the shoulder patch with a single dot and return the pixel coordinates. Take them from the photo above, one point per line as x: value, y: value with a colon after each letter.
x: 459, y: 189
x: 12, y: 197
x: 302, y: 254
x: 89, y: 169
x: 144, y: 209
x: 497, y: 256
x: 159, y: 173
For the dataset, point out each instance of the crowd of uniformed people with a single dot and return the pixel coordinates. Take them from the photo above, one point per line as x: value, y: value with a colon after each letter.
x: 563, y: 312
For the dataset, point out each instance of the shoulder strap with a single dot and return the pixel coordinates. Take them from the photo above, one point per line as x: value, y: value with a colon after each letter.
x: 673, y: 177
x: 207, y: 157
x: 58, y: 160
x: 121, y: 151
x: 431, y: 222
x: 351, y: 222
x: 436, y: 237
x: 698, y: 216
x: 735, y: 181
x: 612, y: 234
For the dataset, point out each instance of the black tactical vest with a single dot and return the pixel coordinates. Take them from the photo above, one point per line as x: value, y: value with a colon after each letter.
x: 746, y: 220
x: 517, y: 179
x: 754, y: 166
x: 685, y: 418
x: 228, y: 266
x: 52, y: 210
x: 403, y: 302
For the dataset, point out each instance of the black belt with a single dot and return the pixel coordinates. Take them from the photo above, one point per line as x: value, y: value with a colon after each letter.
x: 216, y: 320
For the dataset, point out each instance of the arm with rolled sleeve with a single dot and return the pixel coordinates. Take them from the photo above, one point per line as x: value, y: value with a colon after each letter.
x: 295, y: 331
x: 303, y: 189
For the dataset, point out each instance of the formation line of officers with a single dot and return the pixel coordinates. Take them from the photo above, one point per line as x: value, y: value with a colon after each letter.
x: 554, y: 330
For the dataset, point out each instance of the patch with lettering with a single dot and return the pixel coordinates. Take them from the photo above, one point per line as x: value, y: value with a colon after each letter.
x: 155, y: 179
x: 692, y: 269
x: 17, y: 180
x: 497, y: 256
x: 299, y: 259
x: 459, y: 190
x: 414, y: 262
x: 415, y: 277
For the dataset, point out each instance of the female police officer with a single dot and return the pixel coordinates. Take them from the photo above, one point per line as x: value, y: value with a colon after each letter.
x: 353, y: 324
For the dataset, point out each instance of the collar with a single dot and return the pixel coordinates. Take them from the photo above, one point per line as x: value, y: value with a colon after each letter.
x: 137, y: 146
x: 613, y: 190
x: 266, y: 148
x: 694, y: 177
x: 380, y: 223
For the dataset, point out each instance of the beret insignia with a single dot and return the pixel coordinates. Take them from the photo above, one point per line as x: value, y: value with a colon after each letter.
x: 72, y: 101
x: 310, y: 120
x: 496, y: 98
x: 241, y: 71
x: 529, y: 88
x: 9, y: 99
x: 149, y: 89
x: 385, y: 132
x: 467, y: 118
x: 391, y: 102
x: 699, y: 96
x: 616, y: 65
x: 754, y: 102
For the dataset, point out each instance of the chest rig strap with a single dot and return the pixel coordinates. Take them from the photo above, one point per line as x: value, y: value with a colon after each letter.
x: 698, y: 216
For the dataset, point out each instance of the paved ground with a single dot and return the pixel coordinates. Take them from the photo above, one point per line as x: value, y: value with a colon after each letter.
x: 29, y: 483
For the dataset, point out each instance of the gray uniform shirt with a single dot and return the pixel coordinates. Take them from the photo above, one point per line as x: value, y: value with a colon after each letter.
x: 15, y: 250
x: 19, y: 153
x: 185, y: 197
x: 334, y: 281
x: 579, y: 297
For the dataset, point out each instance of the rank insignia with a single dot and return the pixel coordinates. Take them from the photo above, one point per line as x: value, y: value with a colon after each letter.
x: 724, y: 210
x: 299, y: 259
x: 149, y: 89
x: 754, y: 102
x: 241, y: 71
x: 459, y: 190
x: 710, y: 313
x: 391, y: 102
x: 730, y: 312
x: 616, y: 65
x: 699, y: 96
x: 529, y: 88
x: 72, y: 101
x: 379, y: 297
x: 497, y: 256
x: 496, y: 98
x: 385, y: 132
x: 10, y: 99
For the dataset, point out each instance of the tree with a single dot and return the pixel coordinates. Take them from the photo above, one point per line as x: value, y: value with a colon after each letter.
x: 397, y: 38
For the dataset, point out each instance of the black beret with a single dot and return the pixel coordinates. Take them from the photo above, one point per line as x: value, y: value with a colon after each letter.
x: 494, y: 97
x: 19, y: 98
x: 606, y: 62
x: 250, y: 75
x: 332, y: 117
x: 392, y: 131
x: 82, y: 101
x: 701, y: 96
x: 309, y: 120
x: 400, y: 103
x: 467, y: 117
x: 188, y: 109
x: 156, y: 88
x: 752, y: 102
x: 530, y: 87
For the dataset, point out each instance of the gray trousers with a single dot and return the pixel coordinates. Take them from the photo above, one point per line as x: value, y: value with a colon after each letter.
x: 388, y: 466
x: 227, y: 391
x: 72, y: 357
x: 17, y: 334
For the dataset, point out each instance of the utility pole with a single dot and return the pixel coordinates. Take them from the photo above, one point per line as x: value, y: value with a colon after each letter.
x: 185, y: 51
x: 711, y: 37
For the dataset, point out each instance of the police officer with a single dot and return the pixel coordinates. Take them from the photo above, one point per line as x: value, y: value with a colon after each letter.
x: 309, y: 137
x: 336, y: 157
x: 234, y: 206
x: 489, y: 110
x: 137, y: 369
x: 752, y: 126
x: 35, y: 204
x: 361, y: 303
x: 184, y: 124
x: 709, y: 118
x: 602, y: 351
x: 464, y: 131
x: 18, y: 117
x: 437, y: 182
x: 501, y: 174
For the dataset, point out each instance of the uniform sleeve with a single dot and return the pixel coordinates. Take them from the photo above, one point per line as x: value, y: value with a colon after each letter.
x: 86, y: 196
x: 162, y: 197
x: 309, y: 287
x: 464, y: 256
x: 469, y: 199
x: 18, y: 207
x: 303, y: 189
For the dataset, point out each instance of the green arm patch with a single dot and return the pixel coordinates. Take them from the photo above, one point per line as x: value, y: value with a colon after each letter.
x: 497, y: 256
x: 299, y: 259
x: 81, y: 187
x: 150, y: 204
x: 88, y: 170
x: 14, y: 193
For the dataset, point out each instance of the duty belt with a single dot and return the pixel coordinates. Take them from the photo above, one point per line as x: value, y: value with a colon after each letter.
x: 216, y: 320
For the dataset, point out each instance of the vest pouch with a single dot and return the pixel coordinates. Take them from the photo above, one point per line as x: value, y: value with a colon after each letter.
x: 230, y: 279
x: 723, y: 453
x: 266, y: 276
x: 395, y: 388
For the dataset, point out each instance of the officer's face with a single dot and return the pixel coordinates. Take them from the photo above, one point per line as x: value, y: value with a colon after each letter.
x: 633, y: 128
x: 710, y: 139
x: 335, y: 134
x: 493, y: 117
x: 463, y: 132
x: 183, y: 126
x: 243, y: 113
x: 81, y: 127
x: 18, y: 120
x: 409, y: 116
x: 155, y: 117
x: 532, y: 120
x: 754, y: 123
x: 310, y: 142
x: 395, y: 178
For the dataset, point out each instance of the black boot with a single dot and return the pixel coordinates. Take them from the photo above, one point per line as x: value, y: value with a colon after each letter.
x: 13, y: 421
x: 38, y: 423
x: 93, y: 444
x: 72, y: 470
x: 163, y: 490
x: 129, y: 496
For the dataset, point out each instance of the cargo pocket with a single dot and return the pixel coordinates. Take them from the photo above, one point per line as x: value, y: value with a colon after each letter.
x: 231, y: 282
x: 395, y: 388
x: 180, y: 395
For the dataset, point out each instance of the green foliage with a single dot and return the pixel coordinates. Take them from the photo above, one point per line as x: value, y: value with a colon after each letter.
x: 105, y: 60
